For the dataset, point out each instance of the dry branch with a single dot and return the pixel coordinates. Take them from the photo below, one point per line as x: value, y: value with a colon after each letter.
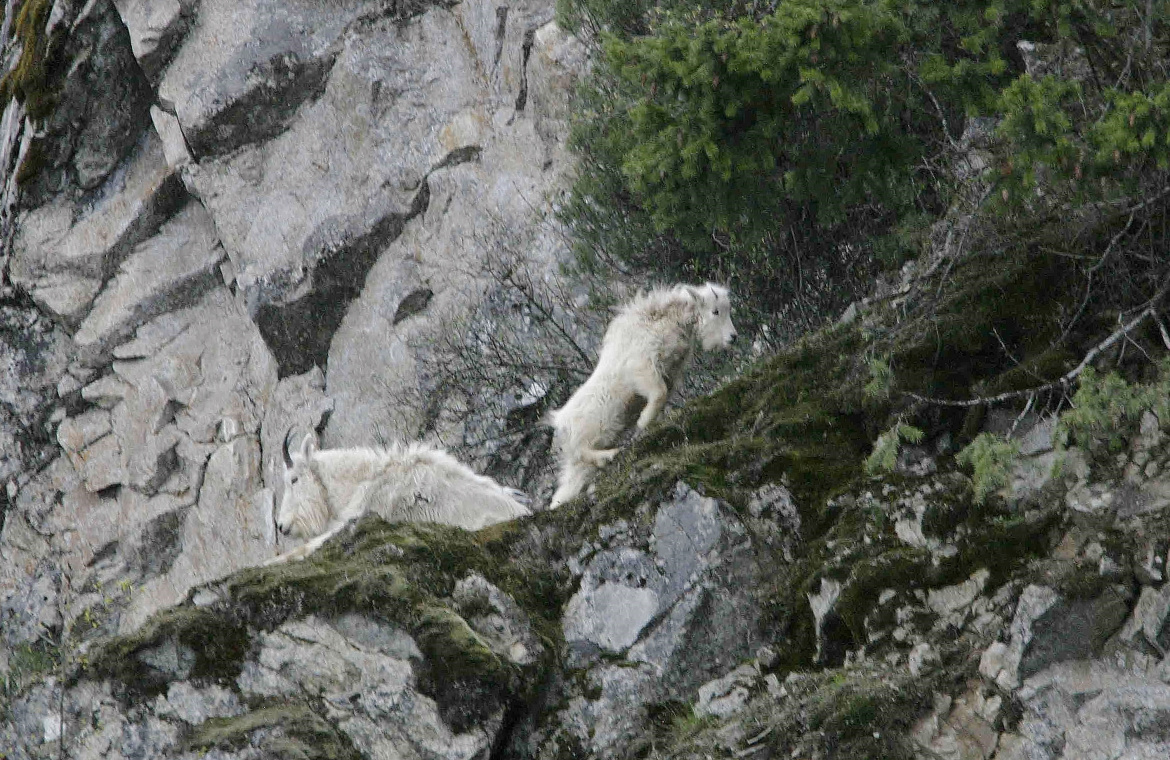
x: 1065, y: 380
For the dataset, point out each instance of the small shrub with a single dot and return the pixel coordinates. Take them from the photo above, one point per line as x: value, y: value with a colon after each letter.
x: 885, y: 450
x: 881, y: 379
x: 990, y: 458
x: 1106, y: 410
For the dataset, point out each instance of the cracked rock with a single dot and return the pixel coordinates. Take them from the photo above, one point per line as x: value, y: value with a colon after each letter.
x: 170, y: 270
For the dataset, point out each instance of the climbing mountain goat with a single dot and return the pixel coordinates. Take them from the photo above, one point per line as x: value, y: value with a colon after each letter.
x: 325, y: 489
x: 643, y: 355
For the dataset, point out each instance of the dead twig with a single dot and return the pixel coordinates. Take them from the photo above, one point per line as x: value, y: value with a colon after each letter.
x: 1065, y: 380
x: 1162, y: 331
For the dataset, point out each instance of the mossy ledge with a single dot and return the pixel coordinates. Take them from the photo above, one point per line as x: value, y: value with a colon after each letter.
x: 29, y: 79
x: 802, y: 418
x: 213, y: 645
x: 287, y: 729
x: 861, y: 712
x: 399, y: 574
x: 798, y: 417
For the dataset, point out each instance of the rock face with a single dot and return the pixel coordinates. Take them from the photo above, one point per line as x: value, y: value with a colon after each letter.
x: 302, y: 172
x: 227, y: 224
x: 658, y: 612
x: 392, y: 670
x: 219, y: 234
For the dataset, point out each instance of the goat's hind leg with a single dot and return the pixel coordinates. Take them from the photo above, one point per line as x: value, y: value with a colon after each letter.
x: 598, y: 457
x: 572, y: 481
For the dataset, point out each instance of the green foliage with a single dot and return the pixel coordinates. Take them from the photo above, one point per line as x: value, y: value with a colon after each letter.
x: 755, y: 141
x: 1036, y: 120
x: 1135, y: 129
x: 990, y: 458
x: 881, y: 379
x: 1104, y: 113
x: 885, y: 449
x: 726, y: 103
x: 1106, y: 409
x: 1044, y: 124
x: 773, y: 144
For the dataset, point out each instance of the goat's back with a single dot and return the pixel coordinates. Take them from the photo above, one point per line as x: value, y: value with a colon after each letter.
x: 420, y: 483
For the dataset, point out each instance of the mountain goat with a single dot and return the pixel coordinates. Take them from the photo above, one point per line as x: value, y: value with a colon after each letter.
x: 643, y: 355
x: 325, y: 489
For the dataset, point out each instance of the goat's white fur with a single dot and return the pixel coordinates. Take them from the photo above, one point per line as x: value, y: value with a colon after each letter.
x: 643, y: 356
x: 325, y: 489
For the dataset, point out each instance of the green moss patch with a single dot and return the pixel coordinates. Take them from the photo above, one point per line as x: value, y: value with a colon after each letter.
x: 864, y: 715
x: 856, y: 713
x: 401, y: 574
x: 862, y: 551
x: 283, y: 730
x: 28, y: 81
x: 207, y: 645
x: 28, y: 663
x: 798, y: 417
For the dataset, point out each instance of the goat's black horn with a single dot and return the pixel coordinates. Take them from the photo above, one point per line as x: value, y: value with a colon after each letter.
x: 284, y: 449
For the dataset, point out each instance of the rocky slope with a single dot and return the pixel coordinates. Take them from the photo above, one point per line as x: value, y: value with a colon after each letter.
x: 248, y: 233
x: 229, y: 223
x: 738, y: 587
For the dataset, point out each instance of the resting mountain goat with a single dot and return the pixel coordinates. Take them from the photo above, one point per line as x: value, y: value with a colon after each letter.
x: 644, y: 354
x: 324, y: 490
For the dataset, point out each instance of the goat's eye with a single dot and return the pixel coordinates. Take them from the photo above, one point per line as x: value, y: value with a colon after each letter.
x: 716, y: 312
x: 293, y: 480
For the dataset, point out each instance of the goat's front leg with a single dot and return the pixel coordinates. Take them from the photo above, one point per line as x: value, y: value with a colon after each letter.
x: 656, y: 393
x: 310, y: 546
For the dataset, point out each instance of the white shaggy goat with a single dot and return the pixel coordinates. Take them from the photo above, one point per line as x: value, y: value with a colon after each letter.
x: 325, y: 489
x: 643, y: 355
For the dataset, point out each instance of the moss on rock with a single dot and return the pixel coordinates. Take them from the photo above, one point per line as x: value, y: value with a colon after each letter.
x: 798, y: 417
x: 28, y: 81
x: 206, y: 645
x: 866, y: 716
x: 289, y: 729
x: 993, y: 327
x: 862, y: 712
x: 401, y: 574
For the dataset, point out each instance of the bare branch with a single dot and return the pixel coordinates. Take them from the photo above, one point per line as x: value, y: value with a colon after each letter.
x: 1162, y: 331
x: 942, y: 117
x: 1113, y: 241
x: 1022, y: 415
x: 1065, y: 380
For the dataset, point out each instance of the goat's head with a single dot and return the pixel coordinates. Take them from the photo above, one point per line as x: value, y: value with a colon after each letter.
x: 304, y: 508
x: 715, y: 329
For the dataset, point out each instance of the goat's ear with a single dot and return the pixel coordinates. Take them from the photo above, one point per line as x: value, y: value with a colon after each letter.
x: 308, y: 445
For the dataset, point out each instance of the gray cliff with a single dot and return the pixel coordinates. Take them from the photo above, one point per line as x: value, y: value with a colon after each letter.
x: 227, y: 223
